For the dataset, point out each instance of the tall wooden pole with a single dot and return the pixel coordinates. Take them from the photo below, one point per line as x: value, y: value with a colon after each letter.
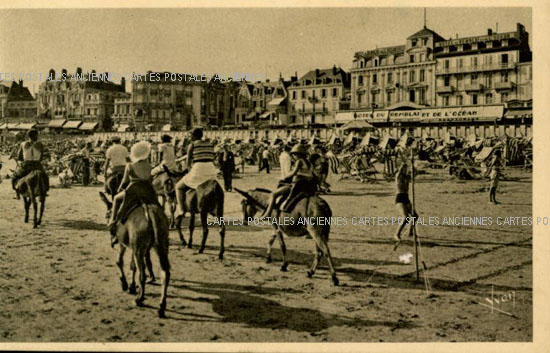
x: 415, y: 239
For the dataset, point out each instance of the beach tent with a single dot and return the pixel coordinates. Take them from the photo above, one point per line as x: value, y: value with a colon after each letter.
x: 370, y: 139
x: 349, y: 138
x: 387, y: 140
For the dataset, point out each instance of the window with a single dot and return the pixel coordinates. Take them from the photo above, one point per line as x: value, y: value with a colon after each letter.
x: 473, y: 79
x: 412, y: 76
x: 421, y: 96
x: 390, y: 77
x: 293, y: 94
x: 424, y: 41
x: 489, y: 80
x: 446, y: 64
x: 411, y: 95
x: 445, y: 101
x: 488, y: 98
x: 421, y: 79
x: 460, y: 63
x: 335, y: 92
x: 313, y: 94
x: 374, y: 79
x: 360, y: 79
x: 504, y: 77
x: 359, y: 98
x: 413, y: 42
x: 323, y: 93
x: 411, y: 58
x: 504, y: 59
x: 421, y: 57
x: 489, y: 59
x: 303, y: 94
x: 474, y: 99
x: 388, y: 97
x: 375, y: 62
x: 447, y: 81
x: 474, y: 61
x: 503, y: 97
x: 459, y: 100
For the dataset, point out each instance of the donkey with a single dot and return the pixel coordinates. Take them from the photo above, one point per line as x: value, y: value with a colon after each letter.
x: 30, y: 187
x: 207, y: 199
x: 146, y: 227
x: 164, y: 186
x: 308, y: 207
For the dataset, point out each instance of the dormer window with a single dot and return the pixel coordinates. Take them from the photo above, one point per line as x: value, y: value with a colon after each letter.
x: 413, y: 42
x: 466, y: 47
x: 411, y: 58
x: 424, y: 41
x: 375, y: 62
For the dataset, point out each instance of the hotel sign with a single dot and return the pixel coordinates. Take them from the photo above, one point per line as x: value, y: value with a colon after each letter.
x: 476, y: 39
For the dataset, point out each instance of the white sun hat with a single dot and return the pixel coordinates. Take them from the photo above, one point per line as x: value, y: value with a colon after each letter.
x: 140, y: 151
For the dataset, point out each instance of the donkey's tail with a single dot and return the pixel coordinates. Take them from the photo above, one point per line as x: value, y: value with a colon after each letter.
x: 160, y: 228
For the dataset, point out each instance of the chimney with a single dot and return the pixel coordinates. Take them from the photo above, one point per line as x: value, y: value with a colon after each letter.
x: 489, y: 32
x: 334, y: 70
x: 316, y: 72
x: 123, y: 83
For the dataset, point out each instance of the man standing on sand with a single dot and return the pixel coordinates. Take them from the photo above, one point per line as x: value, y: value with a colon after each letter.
x: 265, y: 160
x: 226, y: 161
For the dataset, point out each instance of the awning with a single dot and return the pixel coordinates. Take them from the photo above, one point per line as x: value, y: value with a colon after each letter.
x: 72, y: 124
x: 519, y: 114
x: 276, y: 101
x: 25, y: 126
x: 265, y: 115
x: 56, y: 123
x: 88, y: 126
x: 167, y: 127
x: 122, y: 128
x: 356, y: 125
x: 250, y: 116
x: 10, y: 126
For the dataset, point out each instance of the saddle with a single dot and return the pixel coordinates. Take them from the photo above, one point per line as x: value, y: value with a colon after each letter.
x: 138, y: 193
x: 300, y: 190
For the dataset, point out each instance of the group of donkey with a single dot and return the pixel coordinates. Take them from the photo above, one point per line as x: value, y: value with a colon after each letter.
x: 147, y: 227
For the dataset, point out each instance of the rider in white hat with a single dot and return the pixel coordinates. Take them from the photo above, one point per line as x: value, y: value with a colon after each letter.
x: 139, y: 170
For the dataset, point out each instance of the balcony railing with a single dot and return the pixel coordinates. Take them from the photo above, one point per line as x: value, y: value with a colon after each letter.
x: 445, y: 89
x: 503, y: 85
x: 485, y: 67
x: 473, y: 87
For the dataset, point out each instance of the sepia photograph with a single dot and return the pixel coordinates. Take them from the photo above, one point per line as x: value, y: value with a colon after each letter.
x: 292, y: 174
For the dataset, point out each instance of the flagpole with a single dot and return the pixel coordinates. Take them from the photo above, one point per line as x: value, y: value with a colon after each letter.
x: 415, y: 238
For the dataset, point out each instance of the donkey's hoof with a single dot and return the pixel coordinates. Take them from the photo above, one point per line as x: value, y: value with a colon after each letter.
x: 189, y: 246
x: 335, y: 280
x: 132, y: 289
x: 200, y: 251
x: 220, y: 256
x: 139, y: 302
x: 309, y: 274
x: 284, y: 267
x: 124, y: 285
x: 162, y: 314
x: 268, y: 260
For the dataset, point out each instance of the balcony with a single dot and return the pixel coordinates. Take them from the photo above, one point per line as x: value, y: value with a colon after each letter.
x: 445, y: 89
x: 504, y: 86
x: 478, y: 68
x: 473, y: 87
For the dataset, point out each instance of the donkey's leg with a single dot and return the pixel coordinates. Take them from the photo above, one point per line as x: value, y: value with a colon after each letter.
x: 132, y: 289
x: 204, y: 223
x: 270, y: 242
x: 322, y: 243
x: 279, y: 234
x: 34, y: 210
x: 191, y: 229
x: 172, y: 206
x: 165, y: 275
x: 179, y: 221
x: 42, y: 203
x: 150, y: 267
x: 27, y: 204
x: 120, y: 265
x: 222, y: 241
x: 316, y: 258
x: 139, y: 258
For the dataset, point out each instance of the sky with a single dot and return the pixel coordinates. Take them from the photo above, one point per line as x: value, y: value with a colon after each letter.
x: 259, y: 41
